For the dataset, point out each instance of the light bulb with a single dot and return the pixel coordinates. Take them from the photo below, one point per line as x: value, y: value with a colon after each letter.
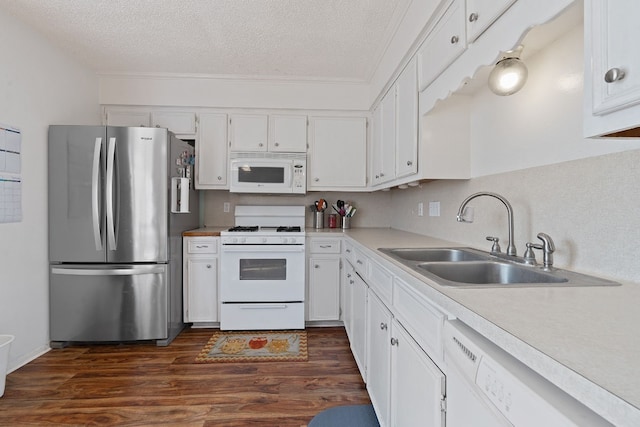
x: 508, y: 76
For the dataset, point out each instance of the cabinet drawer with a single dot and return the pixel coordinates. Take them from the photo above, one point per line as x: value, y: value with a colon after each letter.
x: 348, y: 252
x: 381, y: 281
x: 325, y: 246
x: 202, y: 245
x: 423, y: 321
x: 360, y: 262
x: 265, y: 316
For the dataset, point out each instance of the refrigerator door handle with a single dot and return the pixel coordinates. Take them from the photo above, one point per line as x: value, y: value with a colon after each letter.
x: 111, y: 229
x: 95, y: 194
x: 108, y: 271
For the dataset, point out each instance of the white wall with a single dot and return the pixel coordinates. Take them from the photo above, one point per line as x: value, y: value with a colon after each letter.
x: 39, y: 86
x: 529, y: 148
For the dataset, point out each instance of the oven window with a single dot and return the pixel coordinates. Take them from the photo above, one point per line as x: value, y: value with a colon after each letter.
x: 261, y: 174
x: 263, y: 269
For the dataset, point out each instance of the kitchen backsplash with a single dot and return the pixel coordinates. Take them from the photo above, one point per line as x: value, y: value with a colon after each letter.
x: 373, y: 209
x: 590, y: 207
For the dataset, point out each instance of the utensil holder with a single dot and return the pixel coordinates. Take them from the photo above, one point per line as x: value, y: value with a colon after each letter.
x: 346, y: 222
x: 318, y: 219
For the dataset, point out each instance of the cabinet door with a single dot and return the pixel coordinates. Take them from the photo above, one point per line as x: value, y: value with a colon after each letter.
x: 288, y: 133
x: 379, y: 357
x: 202, y: 290
x: 482, y: 13
x: 417, y: 384
x: 211, y: 152
x: 337, y: 153
x: 248, y: 132
x: 376, y: 145
x: 444, y: 44
x: 180, y: 123
x: 348, y: 282
x: 389, y: 136
x: 612, y: 25
x: 128, y: 118
x: 324, y: 288
x: 359, y: 324
x: 407, y: 133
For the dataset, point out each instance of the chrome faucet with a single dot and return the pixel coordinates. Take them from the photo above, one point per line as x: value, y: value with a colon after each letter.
x: 547, y: 247
x: 511, y: 248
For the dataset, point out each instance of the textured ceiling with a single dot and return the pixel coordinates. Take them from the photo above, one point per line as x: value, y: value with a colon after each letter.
x: 294, y: 39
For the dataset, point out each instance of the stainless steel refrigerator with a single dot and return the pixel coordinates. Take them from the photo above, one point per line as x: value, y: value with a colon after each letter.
x: 115, y: 245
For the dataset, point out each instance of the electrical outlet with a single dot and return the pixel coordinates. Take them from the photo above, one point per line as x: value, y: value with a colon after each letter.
x: 434, y: 208
x: 227, y: 207
x: 420, y: 209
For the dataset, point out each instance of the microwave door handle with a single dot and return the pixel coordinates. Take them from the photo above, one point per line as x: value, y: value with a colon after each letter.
x: 95, y: 195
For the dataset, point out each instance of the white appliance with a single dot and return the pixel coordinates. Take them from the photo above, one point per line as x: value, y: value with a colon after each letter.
x: 273, y: 173
x: 262, y: 258
x: 486, y: 387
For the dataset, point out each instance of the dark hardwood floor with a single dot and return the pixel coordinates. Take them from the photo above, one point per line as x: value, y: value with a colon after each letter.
x: 141, y: 384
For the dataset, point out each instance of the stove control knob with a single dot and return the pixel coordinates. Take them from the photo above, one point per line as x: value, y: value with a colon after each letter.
x: 284, y: 240
x: 243, y: 240
x: 234, y: 240
x: 264, y: 240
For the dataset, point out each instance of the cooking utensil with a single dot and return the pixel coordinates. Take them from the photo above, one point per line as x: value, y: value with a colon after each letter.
x: 322, y: 205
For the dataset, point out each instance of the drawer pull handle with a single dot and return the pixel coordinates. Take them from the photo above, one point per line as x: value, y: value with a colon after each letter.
x: 473, y: 17
x: 359, y: 262
x: 454, y: 39
x: 383, y: 326
x: 394, y: 341
x: 326, y: 246
x: 202, y: 246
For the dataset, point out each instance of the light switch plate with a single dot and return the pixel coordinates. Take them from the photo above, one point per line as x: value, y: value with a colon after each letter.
x: 227, y: 207
x: 434, y: 208
x: 420, y: 209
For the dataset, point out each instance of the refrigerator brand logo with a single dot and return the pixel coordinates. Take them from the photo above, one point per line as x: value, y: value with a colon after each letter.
x: 146, y: 138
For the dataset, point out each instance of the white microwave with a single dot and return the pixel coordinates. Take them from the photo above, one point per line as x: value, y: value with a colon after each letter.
x: 274, y: 173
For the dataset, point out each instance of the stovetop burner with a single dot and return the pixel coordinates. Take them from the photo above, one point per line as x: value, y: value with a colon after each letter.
x: 289, y: 229
x: 239, y: 228
x: 255, y: 228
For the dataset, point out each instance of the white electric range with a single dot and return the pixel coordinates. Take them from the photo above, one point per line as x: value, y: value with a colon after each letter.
x: 262, y: 265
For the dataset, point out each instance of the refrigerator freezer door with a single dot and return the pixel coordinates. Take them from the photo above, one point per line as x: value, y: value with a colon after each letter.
x: 115, y: 303
x: 137, y: 194
x: 76, y: 203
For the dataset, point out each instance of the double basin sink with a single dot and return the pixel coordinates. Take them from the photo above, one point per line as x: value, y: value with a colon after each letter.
x: 470, y: 268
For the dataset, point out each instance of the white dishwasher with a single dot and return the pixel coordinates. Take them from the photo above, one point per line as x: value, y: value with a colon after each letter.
x: 486, y: 387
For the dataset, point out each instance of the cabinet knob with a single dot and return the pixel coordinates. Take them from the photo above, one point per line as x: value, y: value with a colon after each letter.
x: 316, y: 266
x: 208, y: 265
x: 317, y: 179
x: 377, y: 176
x: 260, y: 144
x: 381, y: 174
x: 394, y: 341
x: 277, y: 144
x: 473, y: 17
x: 454, y: 39
x: 348, y: 275
x: 409, y: 162
x: 351, y: 281
x: 359, y: 262
x: 613, y: 75
x: 383, y: 326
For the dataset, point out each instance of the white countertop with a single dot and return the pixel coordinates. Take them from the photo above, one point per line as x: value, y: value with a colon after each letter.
x: 584, y: 339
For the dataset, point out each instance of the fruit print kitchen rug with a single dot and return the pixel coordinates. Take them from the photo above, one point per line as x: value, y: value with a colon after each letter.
x: 252, y: 346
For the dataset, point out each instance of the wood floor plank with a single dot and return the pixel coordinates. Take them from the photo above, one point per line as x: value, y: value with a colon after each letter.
x: 141, y: 384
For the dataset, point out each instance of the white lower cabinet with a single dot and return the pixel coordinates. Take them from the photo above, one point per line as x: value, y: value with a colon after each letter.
x: 200, y: 279
x: 323, y: 282
x: 400, y: 368
x: 359, y: 323
x: 417, y: 384
x: 379, y: 358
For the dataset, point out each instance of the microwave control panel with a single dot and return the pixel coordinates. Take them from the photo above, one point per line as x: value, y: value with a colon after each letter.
x: 299, y: 183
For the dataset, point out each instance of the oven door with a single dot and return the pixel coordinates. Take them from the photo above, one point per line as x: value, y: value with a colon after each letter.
x: 262, y: 273
x: 250, y: 175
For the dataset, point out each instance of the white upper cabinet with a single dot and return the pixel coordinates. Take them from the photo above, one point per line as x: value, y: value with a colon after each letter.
x: 383, y: 144
x: 612, y: 67
x: 482, y: 13
x: 288, y: 133
x: 128, y: 118
x: 337, y: 153
x: 407, y: 121
x: 180, y: 123
x: 262, y: 132
x: 248, y: 132
x: 443, y: 45
x: 211, y: 152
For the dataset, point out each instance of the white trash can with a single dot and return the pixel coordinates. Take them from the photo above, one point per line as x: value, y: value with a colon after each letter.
x: 5, y: 344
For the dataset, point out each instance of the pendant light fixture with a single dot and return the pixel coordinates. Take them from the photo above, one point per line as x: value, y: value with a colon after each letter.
x: 509, y: 74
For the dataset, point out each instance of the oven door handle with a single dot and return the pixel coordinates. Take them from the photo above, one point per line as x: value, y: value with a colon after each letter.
x: 257, y: 306
x: 262, y: 248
